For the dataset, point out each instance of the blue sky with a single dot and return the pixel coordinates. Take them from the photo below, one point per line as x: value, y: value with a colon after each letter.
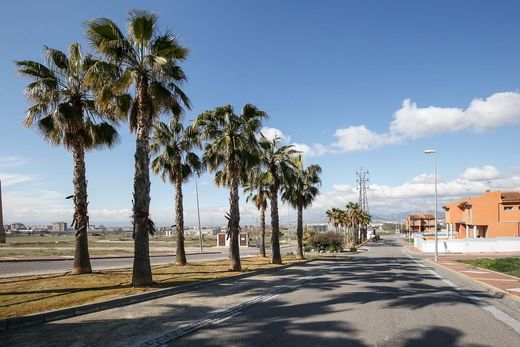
x: 333, y: 76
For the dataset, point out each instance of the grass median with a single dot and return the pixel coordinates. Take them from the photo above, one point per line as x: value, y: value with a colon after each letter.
x: 33, y: 294
x: 508, y: 266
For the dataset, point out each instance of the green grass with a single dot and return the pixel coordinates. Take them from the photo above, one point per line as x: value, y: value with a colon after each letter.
x: 508, y: 266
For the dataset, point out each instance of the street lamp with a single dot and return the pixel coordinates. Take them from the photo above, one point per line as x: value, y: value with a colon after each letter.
x: 434, y: 152
x: 198, y: 213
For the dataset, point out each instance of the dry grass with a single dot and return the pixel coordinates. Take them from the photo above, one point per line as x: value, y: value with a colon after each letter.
x: 32, y: 294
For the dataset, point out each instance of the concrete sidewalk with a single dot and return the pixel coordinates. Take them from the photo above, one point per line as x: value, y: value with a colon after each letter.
x: 497, y: 281
x: 136, y: 324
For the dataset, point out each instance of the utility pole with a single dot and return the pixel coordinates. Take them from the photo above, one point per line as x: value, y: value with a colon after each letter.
x: 2, y: 231
x: 362, y: 181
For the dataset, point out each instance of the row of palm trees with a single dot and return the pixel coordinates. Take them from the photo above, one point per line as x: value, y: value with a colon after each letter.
x: 77, y: 100
x: 352, y: 222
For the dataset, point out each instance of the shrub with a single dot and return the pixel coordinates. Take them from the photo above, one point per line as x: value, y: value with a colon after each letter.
x: 323, y: 242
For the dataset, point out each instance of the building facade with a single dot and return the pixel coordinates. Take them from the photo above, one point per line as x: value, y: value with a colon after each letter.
x: 489, y: 215
x: 421, y: 222
x: 59, y: 227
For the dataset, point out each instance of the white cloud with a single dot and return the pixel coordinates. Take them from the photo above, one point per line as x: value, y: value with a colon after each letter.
x: 315, y: 150
x: 357, y: 138
x: 413, y: 122
x: 10, y: 161
x: 497, y: 110
x: 342, y: 187
x: 416, y: 194
x: 271, y: 133
x: 486, y: 173
x: 8, y: 179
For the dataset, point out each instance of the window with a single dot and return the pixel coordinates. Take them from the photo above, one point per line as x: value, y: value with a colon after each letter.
x: 508, y: 208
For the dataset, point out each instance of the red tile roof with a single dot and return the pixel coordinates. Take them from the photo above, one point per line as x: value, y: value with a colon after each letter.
x: 509, y: 197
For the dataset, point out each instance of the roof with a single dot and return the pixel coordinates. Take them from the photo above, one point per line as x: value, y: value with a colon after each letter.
x: 421, y: 216
x: 510, y: 197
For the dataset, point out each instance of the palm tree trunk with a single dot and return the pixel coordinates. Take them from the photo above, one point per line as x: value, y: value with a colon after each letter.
x: 81, y: 263
x: 275, y: 224
x: 299, y: 232
x: 234, y: 223
x: 180, y: 255
x: 142, y: 272
x: 262, y: 230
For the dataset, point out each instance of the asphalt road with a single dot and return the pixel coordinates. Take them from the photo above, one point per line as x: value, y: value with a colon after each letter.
x: 379, y: 297
x: 19, y: 268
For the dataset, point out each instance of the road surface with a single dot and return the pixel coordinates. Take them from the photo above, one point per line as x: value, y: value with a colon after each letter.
x: 21, y: 268
x: 380, y: 297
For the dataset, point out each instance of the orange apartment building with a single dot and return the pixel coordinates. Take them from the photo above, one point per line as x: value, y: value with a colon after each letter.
x: 489, y: 215
x: 420, y: 222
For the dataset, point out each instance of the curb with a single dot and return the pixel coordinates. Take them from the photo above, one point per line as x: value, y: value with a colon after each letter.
x: 44, y: 317
x: 494, y: 291
x: 97, y: 257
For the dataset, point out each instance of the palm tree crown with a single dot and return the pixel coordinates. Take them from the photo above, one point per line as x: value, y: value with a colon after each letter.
x: 73, y: 101
x: 175, y: 143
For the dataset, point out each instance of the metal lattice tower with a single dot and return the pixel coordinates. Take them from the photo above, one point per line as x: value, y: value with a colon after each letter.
x: 362, y: 181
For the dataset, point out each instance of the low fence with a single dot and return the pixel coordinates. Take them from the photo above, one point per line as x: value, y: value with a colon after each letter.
x: 479, y: 245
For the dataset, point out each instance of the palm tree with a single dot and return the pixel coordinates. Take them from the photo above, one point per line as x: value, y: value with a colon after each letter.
x: 176, y: 163
x: 300, y: 191
x: 231, y: 151
x: 75, y: 104
x: 334, y: 216
x: 150, y: 61
x: 354, y: 211
x: 365, y: 219
x: 258, y: 189
x: 277, y: 161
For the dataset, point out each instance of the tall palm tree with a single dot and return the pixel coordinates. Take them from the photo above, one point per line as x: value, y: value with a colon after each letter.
x: 276, y: 159
x: 300, y: 191
x: 258, y: 189
x: 150, y: 61
x: 354, y: 211
x: 231, y: 151
x: 75, y: 103
x: 176, y: 162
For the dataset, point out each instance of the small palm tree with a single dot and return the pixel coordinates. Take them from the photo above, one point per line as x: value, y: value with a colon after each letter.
x: 176, y: 162
x: 277, y: 160
x: 258, y: 189
x: 75, y: 104
x: 353, y: 214
x: 150, y: 61
x: 300, y: 191
x: 334, y: 216
x: 231, y: 151
x: 365, y: 220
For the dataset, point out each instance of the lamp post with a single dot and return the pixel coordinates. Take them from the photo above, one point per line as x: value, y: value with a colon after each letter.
x: 198, y: 213
x: 2, y: 231
x: 434, y: 152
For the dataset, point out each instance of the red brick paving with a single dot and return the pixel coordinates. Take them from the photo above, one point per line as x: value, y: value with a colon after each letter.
x: 505, y: 283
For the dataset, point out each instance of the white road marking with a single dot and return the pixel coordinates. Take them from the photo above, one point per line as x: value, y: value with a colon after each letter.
x: 476, y: 272
x: 225, y: 314
x: 514, y: 290
x: 492, y: 310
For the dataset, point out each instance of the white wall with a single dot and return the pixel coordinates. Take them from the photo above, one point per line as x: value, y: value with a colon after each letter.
x: 498, y: 244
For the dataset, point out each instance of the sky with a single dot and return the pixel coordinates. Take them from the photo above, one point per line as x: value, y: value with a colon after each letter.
x: 351, y: 84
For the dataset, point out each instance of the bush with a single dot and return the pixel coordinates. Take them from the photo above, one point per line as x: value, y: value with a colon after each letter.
x: 323, y: 242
